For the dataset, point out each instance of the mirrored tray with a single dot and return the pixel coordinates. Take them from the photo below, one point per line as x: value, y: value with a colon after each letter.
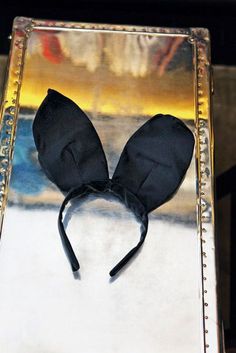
x: 165, y: 301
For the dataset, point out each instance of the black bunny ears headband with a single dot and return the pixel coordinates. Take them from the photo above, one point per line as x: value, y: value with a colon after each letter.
x: 150, y: 169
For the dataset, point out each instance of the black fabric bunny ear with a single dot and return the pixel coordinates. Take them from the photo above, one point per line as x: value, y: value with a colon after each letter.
x: 155, y: 160
x: 150, y: 169
x: 69, y: 149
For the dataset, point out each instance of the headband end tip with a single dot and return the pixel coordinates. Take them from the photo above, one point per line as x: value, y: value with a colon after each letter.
x: 112, y: 273
x: 76, y: 268
x: 75, y: 271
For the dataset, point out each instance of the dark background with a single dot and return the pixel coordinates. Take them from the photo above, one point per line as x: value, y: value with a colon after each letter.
x: 218, y: 16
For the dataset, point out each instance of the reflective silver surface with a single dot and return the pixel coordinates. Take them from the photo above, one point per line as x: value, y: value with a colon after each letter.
x: 165, y: 300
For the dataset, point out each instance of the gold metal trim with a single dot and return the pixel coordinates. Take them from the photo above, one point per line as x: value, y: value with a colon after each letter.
x: 205, y: 202
x: 10, y: 103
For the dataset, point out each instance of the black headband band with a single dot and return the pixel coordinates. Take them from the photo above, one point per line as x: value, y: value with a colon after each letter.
x: 151, y: 167
x: 125, y: 197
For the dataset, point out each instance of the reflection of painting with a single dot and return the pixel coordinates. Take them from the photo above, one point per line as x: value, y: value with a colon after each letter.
x: 141, y: 55
x: 111, y: 73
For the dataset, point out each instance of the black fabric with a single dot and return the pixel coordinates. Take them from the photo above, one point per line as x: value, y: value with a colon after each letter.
x: 155, y: 159
x: 70, y: 151
x: 150, y: 169
x: 118, y: 192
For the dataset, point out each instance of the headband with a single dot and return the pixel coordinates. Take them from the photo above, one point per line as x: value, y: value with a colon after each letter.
x: 151, y: 167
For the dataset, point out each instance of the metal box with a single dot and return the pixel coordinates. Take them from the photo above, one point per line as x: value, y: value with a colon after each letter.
x: 165, y: 303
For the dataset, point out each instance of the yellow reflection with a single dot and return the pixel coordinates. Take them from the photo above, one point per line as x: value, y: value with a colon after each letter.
x: 103, y: 92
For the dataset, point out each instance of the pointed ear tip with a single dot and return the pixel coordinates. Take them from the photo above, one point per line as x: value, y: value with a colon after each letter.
x: 51, y: 91
x: 53, y: 94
